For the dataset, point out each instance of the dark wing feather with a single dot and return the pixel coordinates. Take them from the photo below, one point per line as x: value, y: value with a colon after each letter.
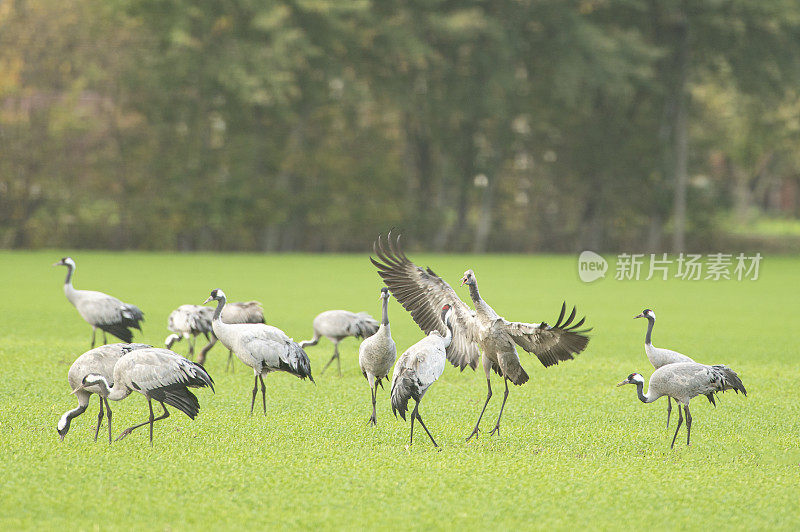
x: 551, y: 344
x: 423, y: 294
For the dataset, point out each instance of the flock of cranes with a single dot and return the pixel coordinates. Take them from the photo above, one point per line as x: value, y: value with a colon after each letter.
x: 455, y: 332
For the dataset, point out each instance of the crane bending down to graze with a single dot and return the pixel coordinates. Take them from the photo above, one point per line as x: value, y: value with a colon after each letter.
x: 336, y: 325
x: 189, y: 321
x: 376, y: 354
x: 262, y: 347
x: 423, y: 293
x: 418, y: 368
x: 657, y: 356
x: 158, y: 374
x: 100, y: 361
x: 683, y: 381
x: 100, y: 310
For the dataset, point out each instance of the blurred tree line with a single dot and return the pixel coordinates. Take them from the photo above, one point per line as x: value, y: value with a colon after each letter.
x: 504, y: 125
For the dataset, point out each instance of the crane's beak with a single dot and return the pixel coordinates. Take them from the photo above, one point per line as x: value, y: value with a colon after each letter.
x: 626, y: 381
x: 57, y: 263
x: 639, y: 316
x: 463, y: 281
x: 76, y: 390
x: 207, y: 300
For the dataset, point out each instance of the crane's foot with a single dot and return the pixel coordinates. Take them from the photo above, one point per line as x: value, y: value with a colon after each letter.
x: 474, y: 433
x: 408, y: 448
x: 123, y: 434
x: 495, y: 430
x: 372, y: 421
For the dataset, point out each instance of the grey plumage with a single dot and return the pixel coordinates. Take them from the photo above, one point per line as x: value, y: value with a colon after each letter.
x: 476, y: 332
x: 683, y: 381
x: 158, y: 374
x: 190, y: 321
x: 99, y: 360
x: 657, y: 356
x: 100, y: 310
x: 262, y: 347
x: 336, y: 325
x: 376, y: 354
x: 418, y: 368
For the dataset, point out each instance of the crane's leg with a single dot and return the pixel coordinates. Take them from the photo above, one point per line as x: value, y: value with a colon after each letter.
x: 149, y: 421
x: 230, y: 362
x: 669, y: 409
x: 688, y: 424
x: 373, y: 392
x: 255, y: 391
x: 338, y: 360
x: 99, y: 419
x: 263, y: 393
x: 334, y: 357
x: 488, y: 396
x: 105, y: 338
x: 413, y: 417
x: 191, y: 347
x: 201, y: 358
x: 94, y: 330
x: 680, y: 421
x: 108, y: 414
x: 416, y: 411
x: 505, y: 396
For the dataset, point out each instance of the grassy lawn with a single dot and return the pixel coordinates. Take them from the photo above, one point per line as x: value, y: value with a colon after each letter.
x: 574, y: 450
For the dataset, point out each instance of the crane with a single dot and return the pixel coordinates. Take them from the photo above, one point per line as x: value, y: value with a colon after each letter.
x: 683, y: 381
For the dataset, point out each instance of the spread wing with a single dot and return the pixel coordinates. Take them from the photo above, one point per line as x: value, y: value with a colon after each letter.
x: 551, y: 344
x: 423, y: 294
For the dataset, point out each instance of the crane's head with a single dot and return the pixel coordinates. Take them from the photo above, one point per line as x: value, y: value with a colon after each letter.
x: 94, y: 379
x: 63, y: 425
x: 172, y: 338
x: 216, y: 295
x: 647, y: 313
x: 469, y: 278
x: 384, y: 294
x: 633, y: 378
x: 66, y: 261
x: 447, y: 313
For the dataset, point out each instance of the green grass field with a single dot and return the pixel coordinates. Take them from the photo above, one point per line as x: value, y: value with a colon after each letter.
x: 574, y: 450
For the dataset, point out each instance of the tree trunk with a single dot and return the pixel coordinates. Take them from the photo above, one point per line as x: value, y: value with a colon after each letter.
x: 681, y: 133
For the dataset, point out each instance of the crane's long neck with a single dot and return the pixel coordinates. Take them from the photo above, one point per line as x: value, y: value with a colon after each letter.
x: 218, y: 311
x: 645, y: 398
x: 385, y: 319
x: 473, y: 292
x: 111, y: 391
x: 69, y: 290
x: 448, y: 337
x: 650, y: 323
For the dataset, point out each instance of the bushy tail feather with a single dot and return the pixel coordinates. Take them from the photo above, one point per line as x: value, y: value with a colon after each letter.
x: 366, y: 325
x: 403, y: 389
x: 180, y: 397
x: 300, y: 364
x: 731, y: 381
x: 120, y: 331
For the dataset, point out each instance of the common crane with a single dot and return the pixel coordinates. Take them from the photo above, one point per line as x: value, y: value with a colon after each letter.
x: 336, y: 325
x: 101, y: 361
x: 376, y: 354
x: 262, y: 347
x: 158, y: 374
x: 189, y: 321
x: 100, y: 310
x: 657, y: 356
x: 422, y: 293
x: 683, y: 381
x: 418, y: 368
